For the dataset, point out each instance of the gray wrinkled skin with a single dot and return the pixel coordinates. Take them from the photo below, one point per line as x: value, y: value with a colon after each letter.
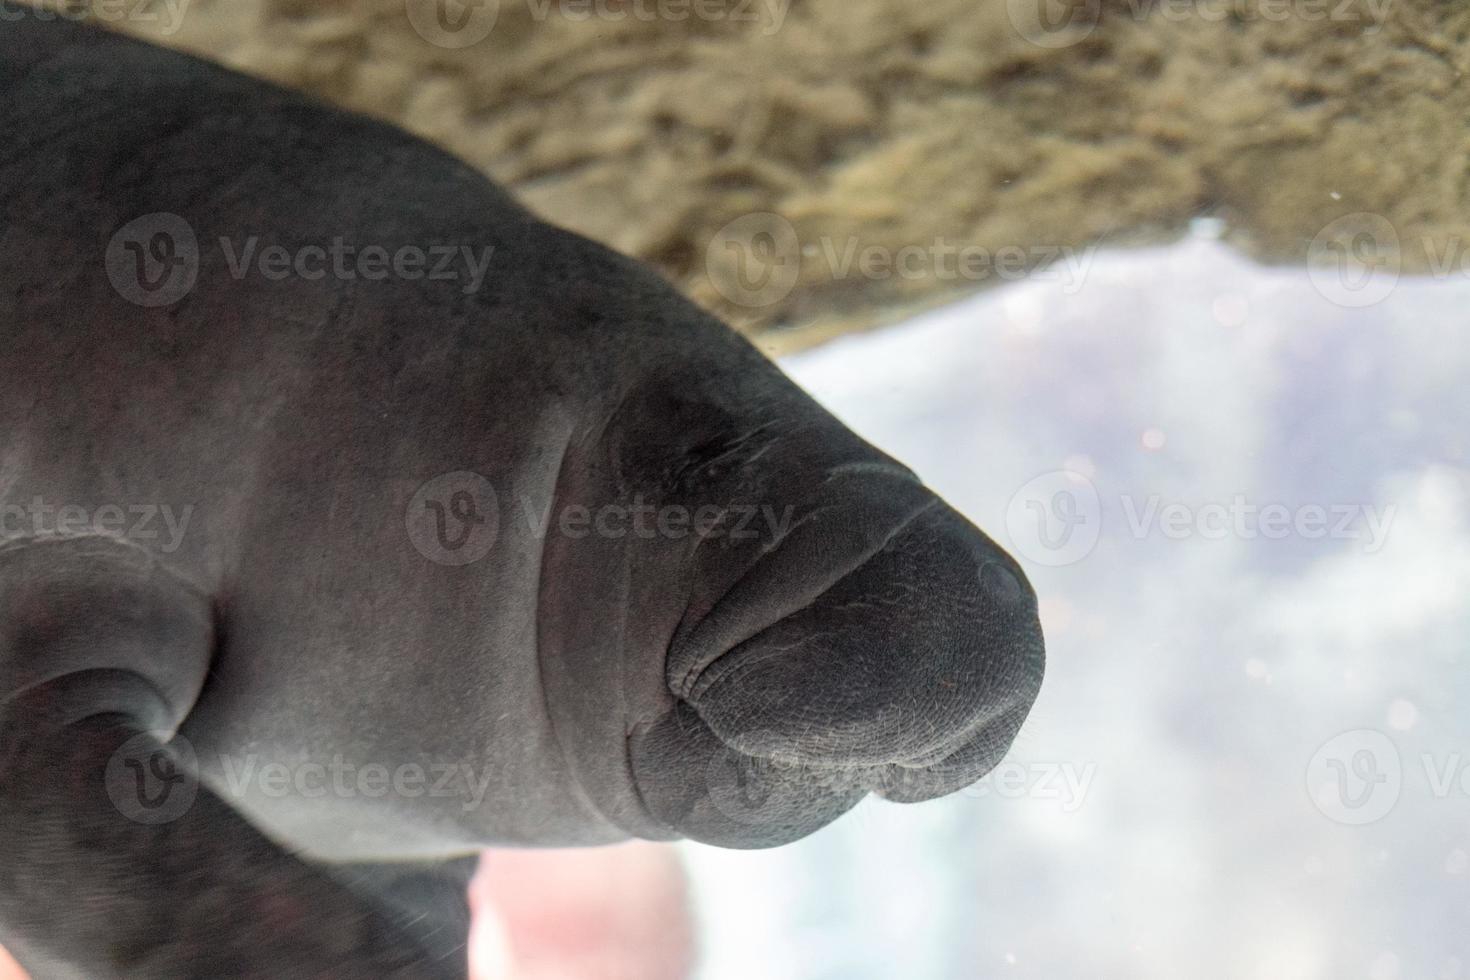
x: 742, y: 690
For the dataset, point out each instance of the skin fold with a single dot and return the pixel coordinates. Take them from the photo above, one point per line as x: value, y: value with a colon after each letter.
x: 531, y: 553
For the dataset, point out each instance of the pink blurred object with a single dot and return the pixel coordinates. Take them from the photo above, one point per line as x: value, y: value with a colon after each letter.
x: 9, y: 969
x: 613, y: 913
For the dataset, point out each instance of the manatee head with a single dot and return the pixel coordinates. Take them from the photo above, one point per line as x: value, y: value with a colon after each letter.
x: 830, y: 628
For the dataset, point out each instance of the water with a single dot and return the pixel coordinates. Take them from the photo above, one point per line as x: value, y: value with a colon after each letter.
x: 1246, y: 508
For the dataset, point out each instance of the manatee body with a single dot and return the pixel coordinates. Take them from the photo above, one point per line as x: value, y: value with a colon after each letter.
x: 506, y: 544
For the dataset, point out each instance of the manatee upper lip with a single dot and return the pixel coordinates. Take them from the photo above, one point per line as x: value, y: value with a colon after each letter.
x: 694, y: 663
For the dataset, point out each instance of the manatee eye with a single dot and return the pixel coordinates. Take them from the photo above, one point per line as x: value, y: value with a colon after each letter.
x: 708, y: 450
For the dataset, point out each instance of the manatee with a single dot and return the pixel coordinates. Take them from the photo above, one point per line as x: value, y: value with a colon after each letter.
x: 352, y: 519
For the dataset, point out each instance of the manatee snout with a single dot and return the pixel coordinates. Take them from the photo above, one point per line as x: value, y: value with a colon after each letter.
x: 883, y: 645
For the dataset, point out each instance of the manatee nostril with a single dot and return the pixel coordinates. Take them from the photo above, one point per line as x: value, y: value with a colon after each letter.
x: 999, y: 582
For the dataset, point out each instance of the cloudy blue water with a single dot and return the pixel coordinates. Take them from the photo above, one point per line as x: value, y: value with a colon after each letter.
x: 1245, y: 503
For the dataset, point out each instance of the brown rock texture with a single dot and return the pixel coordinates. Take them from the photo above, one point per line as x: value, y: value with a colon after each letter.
x: 898, y: 153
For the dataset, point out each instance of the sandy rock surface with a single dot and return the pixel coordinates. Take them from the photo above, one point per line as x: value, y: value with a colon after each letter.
x: 877, y: 156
